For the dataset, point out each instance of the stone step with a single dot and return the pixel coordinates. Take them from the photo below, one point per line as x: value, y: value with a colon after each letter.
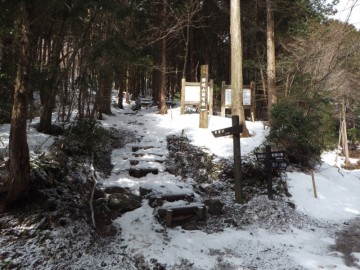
x: 147, y: 154
x: 137, y: 148
x: 135, y: 162
x: 142, y: 172
x: 158, y: 200
x: 172, y: 215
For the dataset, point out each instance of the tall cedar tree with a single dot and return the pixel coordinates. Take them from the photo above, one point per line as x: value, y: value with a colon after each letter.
x: 19, y: 161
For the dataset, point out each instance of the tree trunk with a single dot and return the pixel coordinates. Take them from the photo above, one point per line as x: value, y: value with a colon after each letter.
x: 163, y: 82
x: 237, y: 107
x: 344, y: 135
x: 19, y: 161
x: 186, y: 40
x: 47, y: 97
x: 118, y: 86
x: 105, y: 91
x: 127, y: 98
x: 270, y: 43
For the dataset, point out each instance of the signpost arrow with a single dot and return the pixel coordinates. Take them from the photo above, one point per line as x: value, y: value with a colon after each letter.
x: 227, y: 131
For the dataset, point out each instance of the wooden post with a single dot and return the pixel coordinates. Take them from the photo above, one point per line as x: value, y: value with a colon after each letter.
x: 127, y: 99
x: 344, y: 134
x: 253, y: 101
x: 203, y: 97
x: 268, y: 169
x: 239, y: 198
x: 313, y: 183
x: 211, y: 98
x: 183, y: 83
x: 169, y: 217
x: 223, y: 99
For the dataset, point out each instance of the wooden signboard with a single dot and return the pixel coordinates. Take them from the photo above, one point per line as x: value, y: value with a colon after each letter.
x: 249, y: 102
x: 190, y: 95
x: 203, y: 114
x: 227, y: 131
x: 272, y: 160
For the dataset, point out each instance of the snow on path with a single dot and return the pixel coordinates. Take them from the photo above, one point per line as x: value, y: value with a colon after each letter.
x: 233, y: 248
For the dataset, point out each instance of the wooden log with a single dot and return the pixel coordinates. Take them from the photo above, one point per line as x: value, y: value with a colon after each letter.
x: 159, y: 199
x: 178, y: 214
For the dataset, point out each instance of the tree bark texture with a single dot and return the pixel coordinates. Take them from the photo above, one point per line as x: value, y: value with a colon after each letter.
x: 105, y: 91
x: 270, y: 43
x: 19, y: 161
x: 344, y: 134
x: 236, y: 65
x: 163, y: 81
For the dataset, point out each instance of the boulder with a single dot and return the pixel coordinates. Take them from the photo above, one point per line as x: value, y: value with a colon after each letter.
x: 124, y: 202
x: 215, y: 206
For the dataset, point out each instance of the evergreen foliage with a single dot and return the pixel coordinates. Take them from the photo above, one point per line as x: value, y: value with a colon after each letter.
x: 84, y: 137
x: 303, y: 136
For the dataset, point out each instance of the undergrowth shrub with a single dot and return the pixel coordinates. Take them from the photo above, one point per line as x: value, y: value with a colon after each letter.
x: 303, y: 136
x: 85, y: 136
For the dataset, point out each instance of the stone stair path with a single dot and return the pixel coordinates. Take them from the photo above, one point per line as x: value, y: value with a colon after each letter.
x: 172, y: 208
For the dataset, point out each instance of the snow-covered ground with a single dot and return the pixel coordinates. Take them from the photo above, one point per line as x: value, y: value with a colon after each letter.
x: 249, y: 247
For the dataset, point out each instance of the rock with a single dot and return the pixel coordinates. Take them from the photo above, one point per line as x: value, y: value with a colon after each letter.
x: 144, y: 191
x: 99, y: 193
x: 291, y: 205
x: 124, y: 202
x: 63, y: 222
x: 215, y: 206
x: 230, y: 221
x: 141, y: 172
x: 190, y: 226
x: 115, y: 189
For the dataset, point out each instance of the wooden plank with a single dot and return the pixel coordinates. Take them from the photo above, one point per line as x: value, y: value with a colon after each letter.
x: 227, y: 131
x: 192, y: 84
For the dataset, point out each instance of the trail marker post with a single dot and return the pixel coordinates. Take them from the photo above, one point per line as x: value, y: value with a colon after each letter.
x: 275, y: 159
x: 203, y: 106
x: 234, y: 130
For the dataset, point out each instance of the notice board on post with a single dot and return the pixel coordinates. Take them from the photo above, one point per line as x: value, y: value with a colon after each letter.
x: 190, y: 95
x: 248, y: 98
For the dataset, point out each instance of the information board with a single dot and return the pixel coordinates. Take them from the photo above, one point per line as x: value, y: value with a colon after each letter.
x: 246, y: 97
x: 192, y: 93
